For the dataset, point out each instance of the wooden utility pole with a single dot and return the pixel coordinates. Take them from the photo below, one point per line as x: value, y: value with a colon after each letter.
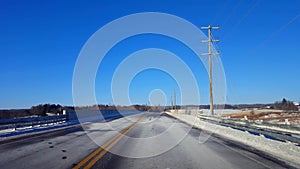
x: 172, y: 107
x: 210, y: 53
x: 174, y: 99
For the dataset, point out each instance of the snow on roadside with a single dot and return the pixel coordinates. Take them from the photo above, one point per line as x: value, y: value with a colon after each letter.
x: 7, y: 130
x: 31, y: 129
x: 282, y: 150
x: 277, y: 129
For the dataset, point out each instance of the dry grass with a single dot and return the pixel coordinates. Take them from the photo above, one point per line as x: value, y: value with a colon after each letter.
x: 267, y: 115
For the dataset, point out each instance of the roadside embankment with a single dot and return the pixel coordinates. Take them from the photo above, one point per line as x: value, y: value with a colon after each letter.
x: 284, y: 151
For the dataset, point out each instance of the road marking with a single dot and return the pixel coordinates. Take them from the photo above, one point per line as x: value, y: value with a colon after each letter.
x: 95, y: 153
x: 92, y: 163
x: 104, y: 148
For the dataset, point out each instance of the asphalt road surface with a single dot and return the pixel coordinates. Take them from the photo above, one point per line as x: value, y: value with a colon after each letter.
x: 142, y: 141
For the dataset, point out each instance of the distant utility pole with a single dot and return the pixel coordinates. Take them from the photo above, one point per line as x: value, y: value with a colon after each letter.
x: 172, y: 107
x: 210, y: 53
x: 174, y: 99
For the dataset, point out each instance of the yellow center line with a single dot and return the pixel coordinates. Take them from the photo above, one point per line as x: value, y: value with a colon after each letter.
x: 95, y: 152
x: 108, y: 145
x: 92, y: 163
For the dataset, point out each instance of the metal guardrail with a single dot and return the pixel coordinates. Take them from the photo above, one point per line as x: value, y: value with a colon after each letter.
x: 70, y: 118
x: 25, y: 122
x: 284, y: 133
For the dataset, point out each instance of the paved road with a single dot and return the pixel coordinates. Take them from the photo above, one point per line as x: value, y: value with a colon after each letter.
x: 144, y: 135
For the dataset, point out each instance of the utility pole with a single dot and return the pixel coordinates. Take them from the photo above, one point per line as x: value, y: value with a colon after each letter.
x: 174, y: 99
x: 210, y: 53
x: 172, y: 107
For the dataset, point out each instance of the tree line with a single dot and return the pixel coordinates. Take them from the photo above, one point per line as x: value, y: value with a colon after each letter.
x: 43, y: 109
x: 285, y: 105
x: 38, y: 110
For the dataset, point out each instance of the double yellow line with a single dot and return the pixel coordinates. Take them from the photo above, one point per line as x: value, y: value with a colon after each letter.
x: 91, y: 159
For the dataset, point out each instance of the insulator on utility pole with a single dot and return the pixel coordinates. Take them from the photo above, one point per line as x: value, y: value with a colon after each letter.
x: 210, y: 53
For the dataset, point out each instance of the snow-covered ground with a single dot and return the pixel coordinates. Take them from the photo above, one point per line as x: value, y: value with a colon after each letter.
x: 32, y: 129
x: 216, y: 111
x: 221, y: 111
x: 286, y: 151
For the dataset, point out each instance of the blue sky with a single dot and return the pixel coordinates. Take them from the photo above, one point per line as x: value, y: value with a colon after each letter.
x: 40, y: 42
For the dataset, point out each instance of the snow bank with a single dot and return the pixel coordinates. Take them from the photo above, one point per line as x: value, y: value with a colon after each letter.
x: 282, y: 150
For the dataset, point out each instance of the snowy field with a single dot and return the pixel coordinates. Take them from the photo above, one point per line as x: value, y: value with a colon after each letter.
x: 221, y: 111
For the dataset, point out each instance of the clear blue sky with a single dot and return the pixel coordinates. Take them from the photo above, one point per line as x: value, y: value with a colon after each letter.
x: 40, y: 42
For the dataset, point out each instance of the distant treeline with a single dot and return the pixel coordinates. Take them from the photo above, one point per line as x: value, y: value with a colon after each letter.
x: 285, y: 105
x: 278, y: 105
x: 112, y: 107
x: 39, y: 110
x: 7, y: 114
x: 44, y: 109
